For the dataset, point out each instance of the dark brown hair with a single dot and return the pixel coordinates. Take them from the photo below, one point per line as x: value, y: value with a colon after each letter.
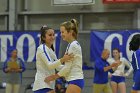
x: 135, y: 42
x: 117, y: 49
x: 44, y: 30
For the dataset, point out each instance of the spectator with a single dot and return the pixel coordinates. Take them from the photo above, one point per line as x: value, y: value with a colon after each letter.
x: 13, y: 67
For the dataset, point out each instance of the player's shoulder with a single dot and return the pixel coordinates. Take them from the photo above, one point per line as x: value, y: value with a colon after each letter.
x: 137, y: 51
x: 40, y: 48
x: 75, y: 44
x: 19, y: 59
x: 123, y: 59
x: 110, y: 59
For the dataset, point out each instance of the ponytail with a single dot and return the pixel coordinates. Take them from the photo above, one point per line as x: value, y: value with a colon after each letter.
x: 75, y: 28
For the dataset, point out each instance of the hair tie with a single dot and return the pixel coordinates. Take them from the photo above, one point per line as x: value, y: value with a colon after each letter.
x: 44, y: 26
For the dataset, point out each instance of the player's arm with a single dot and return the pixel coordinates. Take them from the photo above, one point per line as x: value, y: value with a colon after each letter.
x: 55, y: 64
x: 67, y: 67
x: 128, y: 64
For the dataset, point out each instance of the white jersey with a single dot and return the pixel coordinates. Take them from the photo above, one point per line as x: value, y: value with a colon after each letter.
x: 45, y: 65
x: 120, y: 71
x: 73, y: 70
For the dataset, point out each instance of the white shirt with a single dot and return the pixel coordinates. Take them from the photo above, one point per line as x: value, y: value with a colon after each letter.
x: 120, y: 71
x: 73, y: 70
x: 45, y: 67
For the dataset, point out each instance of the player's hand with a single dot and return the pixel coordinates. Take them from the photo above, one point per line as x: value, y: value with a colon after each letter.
x: 51, y: 78
x: 67, y: 58
x: 119, y: 62
x: 126, y: 75
x: 115, y: 64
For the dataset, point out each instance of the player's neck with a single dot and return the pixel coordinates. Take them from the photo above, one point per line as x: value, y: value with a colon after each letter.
x: 116, y: 58
x: 48, y: 45
x: 71, y: 40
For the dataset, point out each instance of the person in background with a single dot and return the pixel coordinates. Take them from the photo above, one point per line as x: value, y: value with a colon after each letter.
x: 118, y: 77
x: 102, y: 68
x: 134, y: 45
x: 13, y: 67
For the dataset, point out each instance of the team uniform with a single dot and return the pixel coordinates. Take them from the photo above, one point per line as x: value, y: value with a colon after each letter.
x: 118, y: 75
x: 136, y: 67
x: 72, y: 71
x: 101, y: 77
x: 46, y: 62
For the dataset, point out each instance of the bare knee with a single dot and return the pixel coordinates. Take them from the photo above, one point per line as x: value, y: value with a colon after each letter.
x: 133, y: 91
x: 52, y: 91
x: 73, y: 89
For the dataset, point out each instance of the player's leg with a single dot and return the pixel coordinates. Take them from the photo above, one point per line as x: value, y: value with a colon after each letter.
x: 114, y: 86
x: 73, y: 89
x: 122, y: 87
x: 75, y: 86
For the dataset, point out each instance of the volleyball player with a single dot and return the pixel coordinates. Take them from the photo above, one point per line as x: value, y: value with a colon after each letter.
x: 135, y: 46
x: 118, y: 77
x: 72, y: 71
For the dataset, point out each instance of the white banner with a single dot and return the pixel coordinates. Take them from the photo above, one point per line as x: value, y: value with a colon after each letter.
x: 73, y: 2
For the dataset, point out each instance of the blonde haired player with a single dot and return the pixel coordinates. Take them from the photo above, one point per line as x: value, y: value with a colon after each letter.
x: 72, y: 71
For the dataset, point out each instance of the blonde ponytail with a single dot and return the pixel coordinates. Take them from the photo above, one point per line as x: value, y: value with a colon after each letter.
x: 75, y: 28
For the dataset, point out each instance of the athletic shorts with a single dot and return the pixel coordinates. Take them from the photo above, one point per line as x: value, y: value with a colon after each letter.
x: 44, y: 90
x: 118, y: 79
x: 78, y: 82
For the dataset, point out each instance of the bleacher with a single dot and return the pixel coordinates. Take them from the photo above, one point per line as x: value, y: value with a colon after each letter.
x: 28, y: 79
